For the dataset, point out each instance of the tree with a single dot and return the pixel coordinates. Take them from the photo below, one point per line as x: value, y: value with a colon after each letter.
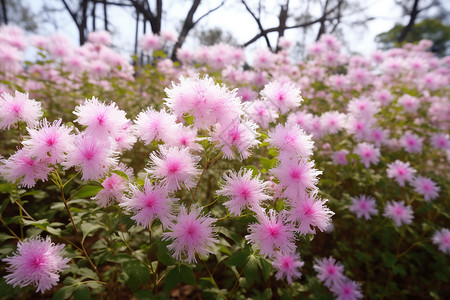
x: 431, y: 29
x: 16, y: 13
x: 212, y: 36
x: 332, y: 14
x: 412, y: 9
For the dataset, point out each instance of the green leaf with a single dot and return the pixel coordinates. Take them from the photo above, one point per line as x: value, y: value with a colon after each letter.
x: 87, y: 228
x: 4, y: 237
x: 88, y: 191
x: 254, y: 169
x: 172, y: 279
x: 266, y: 268
x: 82, y: 293
x: 239, y: 259
x: 144, y: 295
x: 389, y: 259
x: 265, y: 162
x: 137, y: 273
x: 187, y: 275
x: 64, y: 293
x: 163, y: 255
x: 121, y: 174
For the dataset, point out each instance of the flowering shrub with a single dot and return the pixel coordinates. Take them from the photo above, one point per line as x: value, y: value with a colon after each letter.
x: 327, y: 178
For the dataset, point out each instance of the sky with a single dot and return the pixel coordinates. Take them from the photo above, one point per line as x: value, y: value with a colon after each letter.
x: 231, y: 18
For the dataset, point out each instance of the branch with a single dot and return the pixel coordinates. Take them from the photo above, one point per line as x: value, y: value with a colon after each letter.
x: 258, y: 21
x: 210, y: 11
x: 305, y: 24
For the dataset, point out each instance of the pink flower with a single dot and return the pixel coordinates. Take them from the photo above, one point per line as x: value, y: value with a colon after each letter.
x: 411, y: 142
x: 262, y: 113
x: 409, y: 103
x: 113, y: 188
x: 282, y: 95
x: 150, y: 41
x: 207, y: 102
x: 441, y: 238
x: 291, y: 141
x: 49, y: 141
x: 174, y: 166
x: 363, y: 108
x: 272, y: 233
x: 398, y: 212
x: 309, y: 212
x: 340, y: 157
x: 243, y: 191
x: 296, y: 176
x: 191, y: 233
x: 332, y: 121
x: 347, y: 290
x: 101, y: 120
x: 368, y: 154
x: 93, y: 156
x: 21, y: 165
x: 148, y: 203
x: 238, y: 136
x: 364, y: 206
x: 440, y: 141
x: 329, y: 271
x: 153, y: 125
x: 426, y: 187
x: 384, y: 97
x: 18, y: 109
x: 401, y: 172
x: 36, y: 261
x: 287, y: 266
x: 302, y: 119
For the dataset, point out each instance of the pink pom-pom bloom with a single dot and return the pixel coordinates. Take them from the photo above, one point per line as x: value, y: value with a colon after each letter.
x: 174, y: 166
x: 113, y: 188
x: 296, y: 176
x: 101, y: 120
x: 243, y: 191
x: 154, y: 125
x: 21, y: 165
x: 426, y: 187
x: 440, y: 141
x: 239, y: 136
x: 49, y: 141
x: 92, y: 156
x: 272, y: 233
x: 368, y: 154
x: 401, y: 172
x: 36, y: 261
x: 347, y: 290
x: 340, y: 157
x: 291, y: 141
x: 364, y: 206
x: 441, y: 238
x: 309, y: 212
x: 411, y: 142
x: 147, y: 204
x: 18, y: 109
x: 283, y: 95
x: 287, y: 266
x: 398, y: 212
x: 207, y: 102
x: 191, y: 233
x: 329, y: 271
x: 261, y: 112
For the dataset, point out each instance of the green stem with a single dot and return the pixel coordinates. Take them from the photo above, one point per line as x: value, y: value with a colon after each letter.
x: 9, y: 229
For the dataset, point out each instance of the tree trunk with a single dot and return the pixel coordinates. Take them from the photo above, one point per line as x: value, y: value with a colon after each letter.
x: 412, y: 19
x: 4, y: 12
x: 282, y: 18
x: 105, y: 14
x: 322, y: 23
x: 93, y: 15
x: 187, y: 26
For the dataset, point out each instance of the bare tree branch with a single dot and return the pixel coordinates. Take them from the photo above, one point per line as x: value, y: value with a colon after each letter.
x: 258, y: 20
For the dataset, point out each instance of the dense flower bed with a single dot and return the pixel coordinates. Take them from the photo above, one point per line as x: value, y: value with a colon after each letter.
x: 211, y: 178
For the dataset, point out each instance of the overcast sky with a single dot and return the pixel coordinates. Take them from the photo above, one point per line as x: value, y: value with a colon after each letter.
x: 232, y: 18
